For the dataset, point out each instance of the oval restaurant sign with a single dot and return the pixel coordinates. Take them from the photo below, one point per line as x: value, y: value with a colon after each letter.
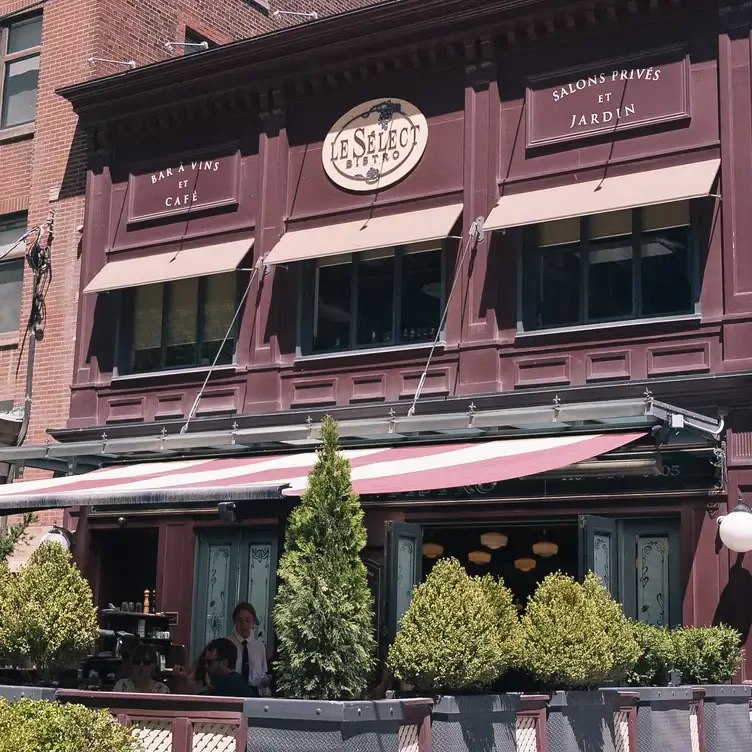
x: 375, y: 144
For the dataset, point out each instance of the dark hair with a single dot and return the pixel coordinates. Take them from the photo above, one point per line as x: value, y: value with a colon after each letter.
x: 144, y: 652
x: 226, y: 650
x: 245, y: 607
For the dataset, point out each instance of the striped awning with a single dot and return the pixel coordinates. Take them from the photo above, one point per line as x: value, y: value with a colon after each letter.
x: 374, y: 471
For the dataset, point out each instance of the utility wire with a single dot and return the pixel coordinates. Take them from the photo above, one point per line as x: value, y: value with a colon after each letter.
x: 200, y: 394
x: 476, y: 231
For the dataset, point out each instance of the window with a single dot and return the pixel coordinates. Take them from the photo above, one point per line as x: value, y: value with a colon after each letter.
x: 374, y: 299
x: 609, y: 267
x: 20, y: 48
x: 179, y: 324
x: 193, y: 41
x: 12, y: 227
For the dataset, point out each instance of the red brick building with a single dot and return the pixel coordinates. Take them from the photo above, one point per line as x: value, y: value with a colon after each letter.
x: 45, y: 46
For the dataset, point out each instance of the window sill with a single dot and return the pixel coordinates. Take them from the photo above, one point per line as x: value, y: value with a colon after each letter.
x: 609, y: 325
x: 199, y: 370
x: 8, y: 339
x: 17, y: 132
x: 390, y: 350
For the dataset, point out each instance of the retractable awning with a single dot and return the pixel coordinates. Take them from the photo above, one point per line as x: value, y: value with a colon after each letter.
x: 187, y: 263
x: 374, y: 471
x: 365, y: 234
x: 660, y: 186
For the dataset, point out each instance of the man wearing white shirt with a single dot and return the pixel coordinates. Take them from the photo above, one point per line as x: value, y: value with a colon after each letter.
x: 251, y: 661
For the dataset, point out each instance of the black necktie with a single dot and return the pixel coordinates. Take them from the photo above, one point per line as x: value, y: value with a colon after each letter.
x: 245, y: 669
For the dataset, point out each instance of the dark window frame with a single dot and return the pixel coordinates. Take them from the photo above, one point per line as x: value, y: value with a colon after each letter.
x: 306, y: 308
x: 530, y: 250
x: 125, y: 329
x: 17, y: 221
x: 11, y: 57
x: 191, y: 36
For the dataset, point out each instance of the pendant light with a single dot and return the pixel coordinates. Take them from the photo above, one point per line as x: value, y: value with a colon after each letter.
x: 479, y: 557
x: 432, y: 550
x: 525, y: 565
x: 494, y: 540
x: 545, y: 548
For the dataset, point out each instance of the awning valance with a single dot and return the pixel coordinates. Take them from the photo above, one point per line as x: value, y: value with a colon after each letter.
x: 660, y: 186
x: 170, y: 266
x: 365, y: 234
x: 379, y: 470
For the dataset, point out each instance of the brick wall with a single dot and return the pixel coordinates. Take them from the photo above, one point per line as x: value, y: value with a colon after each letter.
x: 46, y: 170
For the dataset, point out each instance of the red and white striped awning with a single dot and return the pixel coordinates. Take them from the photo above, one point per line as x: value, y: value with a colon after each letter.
x: 374, y: 471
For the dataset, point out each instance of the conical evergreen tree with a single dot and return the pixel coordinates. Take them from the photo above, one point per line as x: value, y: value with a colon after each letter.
x: 324, y: 612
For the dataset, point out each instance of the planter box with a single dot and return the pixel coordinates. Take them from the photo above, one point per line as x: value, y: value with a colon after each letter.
x: 490, y: 723
x: 664, y: 718
x: 585, y: 721
x: 13, y: 693
x: 276, y: 725
x: 726, y: 718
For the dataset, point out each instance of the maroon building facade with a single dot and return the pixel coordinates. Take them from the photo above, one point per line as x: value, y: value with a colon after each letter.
x: 438, y: 224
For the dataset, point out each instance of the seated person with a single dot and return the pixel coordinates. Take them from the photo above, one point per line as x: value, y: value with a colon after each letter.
x: 220, y: 655
x: 143, y: 669
x: 194, y: 682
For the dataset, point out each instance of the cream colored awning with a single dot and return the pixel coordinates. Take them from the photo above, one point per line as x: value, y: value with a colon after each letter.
x: 365, y: 234
x: 659, y: 186
x: 167, y: 267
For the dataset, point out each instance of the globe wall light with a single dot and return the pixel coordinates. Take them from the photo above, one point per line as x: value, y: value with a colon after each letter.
x: 735, y: 528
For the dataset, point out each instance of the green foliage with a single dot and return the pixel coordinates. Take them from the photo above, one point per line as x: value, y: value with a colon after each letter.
x: 46, y: 612
x: 460, y: 633
x: 39, y: 726
x: 324, y: 613
x: 657, y: 656
x: 575, y: 635
x: 707, y: 655
x: 12, y: 535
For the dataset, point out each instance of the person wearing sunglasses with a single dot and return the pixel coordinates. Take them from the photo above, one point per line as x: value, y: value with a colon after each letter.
x: 143, y: 668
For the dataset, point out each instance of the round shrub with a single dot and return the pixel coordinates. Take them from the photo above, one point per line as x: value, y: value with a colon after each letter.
x: 657, y: 656
x: 459, y: 634
x: 47, y: 614
x: 707, y: 655
x: 575, y: 635
x: 34, y: 725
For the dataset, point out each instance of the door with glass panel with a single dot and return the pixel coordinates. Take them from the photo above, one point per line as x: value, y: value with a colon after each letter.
x: 233, y: 566
x: 638, y: 561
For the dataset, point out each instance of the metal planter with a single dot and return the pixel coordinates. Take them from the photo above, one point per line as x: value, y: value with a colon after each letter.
x: 276, y: 725
x: 725, y: 718
x: 586, y: 721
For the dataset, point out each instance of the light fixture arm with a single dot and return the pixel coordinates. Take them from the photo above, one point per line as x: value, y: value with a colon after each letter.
x: 130, y: 63
x: 203, y: 45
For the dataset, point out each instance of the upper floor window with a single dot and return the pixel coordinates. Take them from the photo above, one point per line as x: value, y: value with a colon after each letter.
x: 636, y: 263
x: 193, y: 41
x: 391, y: 296
x: 178, y: 324
x: 12, y: 227
x: 20, y: 49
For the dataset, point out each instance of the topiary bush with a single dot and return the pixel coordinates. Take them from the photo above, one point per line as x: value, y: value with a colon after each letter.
x: 657, y: 656
x: 324, y: 611
x: 707, y: 655
x: 34, y: 725
x: 575, y: 635
x: 459, y: 634
x: 47, y: 615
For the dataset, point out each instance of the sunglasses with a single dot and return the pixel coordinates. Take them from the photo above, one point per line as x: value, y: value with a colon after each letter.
x: 209, y: 661
x: 143, y: 662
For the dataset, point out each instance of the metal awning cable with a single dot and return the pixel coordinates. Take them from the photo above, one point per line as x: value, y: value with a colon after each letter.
x: 230, y: 328
x: 476, y: 231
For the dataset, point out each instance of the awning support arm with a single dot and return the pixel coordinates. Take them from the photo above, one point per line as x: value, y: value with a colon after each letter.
x: 475, y: 234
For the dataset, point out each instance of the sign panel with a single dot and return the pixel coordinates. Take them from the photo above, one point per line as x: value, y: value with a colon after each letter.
x: 183, y: 185
x: 375, y: 145
x: 617, y: 95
